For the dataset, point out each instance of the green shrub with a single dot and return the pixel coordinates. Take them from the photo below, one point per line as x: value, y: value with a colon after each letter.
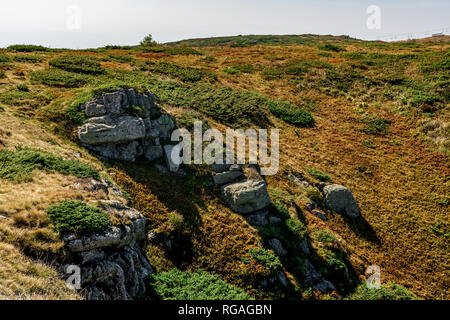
x: 267, y: 259
x: 323, y: 235
x: 297, y: 227
x: 58, y: 78
x: 79, y: 218
x: 2, y: 74
x: 200, y: 285
x: 294, y: 115
x: 375, y: 125
x: 27, y: 58
x: 23, y: 87
x: 318, y: 174
x: 4, y: 58
x: 187, y: 74
x: 331, y: 47
x: 391, y: 291
x: 187, y: 119
x: 172, y: 50
x: 244, y: 67
x: 78, y: 64
x: 26, y: 48
x: 18, y: 165
x: 119, y: 58
x: 316, y: 196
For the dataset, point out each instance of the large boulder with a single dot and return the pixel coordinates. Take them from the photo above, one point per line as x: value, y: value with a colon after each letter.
x: 341, y: 200
x: 246, y: 197
x: 111, y: 263
x: 106, y: 130
x: 125, y: 125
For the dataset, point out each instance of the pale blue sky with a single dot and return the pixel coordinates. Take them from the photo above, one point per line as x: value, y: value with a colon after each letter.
x: 125, y: 22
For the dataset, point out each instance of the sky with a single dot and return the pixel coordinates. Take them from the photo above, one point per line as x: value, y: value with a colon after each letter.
x: 94, y: 23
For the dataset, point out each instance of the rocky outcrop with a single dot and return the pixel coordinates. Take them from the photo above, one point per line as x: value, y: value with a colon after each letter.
x: 229, y: 175
x: 276, y: 245
x: 341, y: 200
x: 315, y: 279
x: 112, y: 264
x: 247, y: 196
x: 125, y: 125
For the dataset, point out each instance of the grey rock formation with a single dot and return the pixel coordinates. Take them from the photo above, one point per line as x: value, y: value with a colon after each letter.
x: 107, y: 130
x: 276, y: 245
x: 258, y: 219
x: 112, y: 264
x: 247, y: 196
x: 341, y: 200
x: 120, y: 126
x: 315, y: 280
x: 226, y: 177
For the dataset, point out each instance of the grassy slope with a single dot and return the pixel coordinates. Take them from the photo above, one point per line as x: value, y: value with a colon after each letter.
x: 399, y: 178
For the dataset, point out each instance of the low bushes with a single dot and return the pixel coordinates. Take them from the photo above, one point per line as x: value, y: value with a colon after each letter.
x: 267, y: 259
x: 179, y: 285
x: 186, y: 74
x: 27, y: 58
x: 26, y: 48
x: 172, y: 50
x: 294, y: 115
x: 58, y: 78
x: 78, y: 217
x: 78, y: 64
x: 318, y: 174
x: 19, y: 164
x: 391, y: 291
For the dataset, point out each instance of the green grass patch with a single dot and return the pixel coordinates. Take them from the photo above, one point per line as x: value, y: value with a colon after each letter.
x: 200, y: 285
x: 322, y: 176
x: 391, y: 291
x: 173, y: 50
x: 78, y: 64
x: 19, y: 165
x: 267, y: 259
x: 58, y: 78
x: 79, y: 218
x: 26, y: 48
x: 375, y: 125
x: 186, y: 74
x: 294, y: 115
x: 27, y: 58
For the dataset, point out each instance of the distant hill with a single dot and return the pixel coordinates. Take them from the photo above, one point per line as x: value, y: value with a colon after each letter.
x: 260, y: 40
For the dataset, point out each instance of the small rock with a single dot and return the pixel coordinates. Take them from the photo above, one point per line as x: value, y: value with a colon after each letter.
x: 341, y: 200
x: 247, y: 196
x: 319, y: 215
x: 226, y: 177
x: 274, y: 220
x: 220, y: 167
x: 258, y: 219
x: 276, y: 245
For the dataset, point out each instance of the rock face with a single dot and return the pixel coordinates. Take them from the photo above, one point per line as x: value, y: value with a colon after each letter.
x: 122, y: 126
x: 315, y: 280
x: 112, y: 264
x: 276, y: 245
x: 341, y: 200
x: 247, y: 196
